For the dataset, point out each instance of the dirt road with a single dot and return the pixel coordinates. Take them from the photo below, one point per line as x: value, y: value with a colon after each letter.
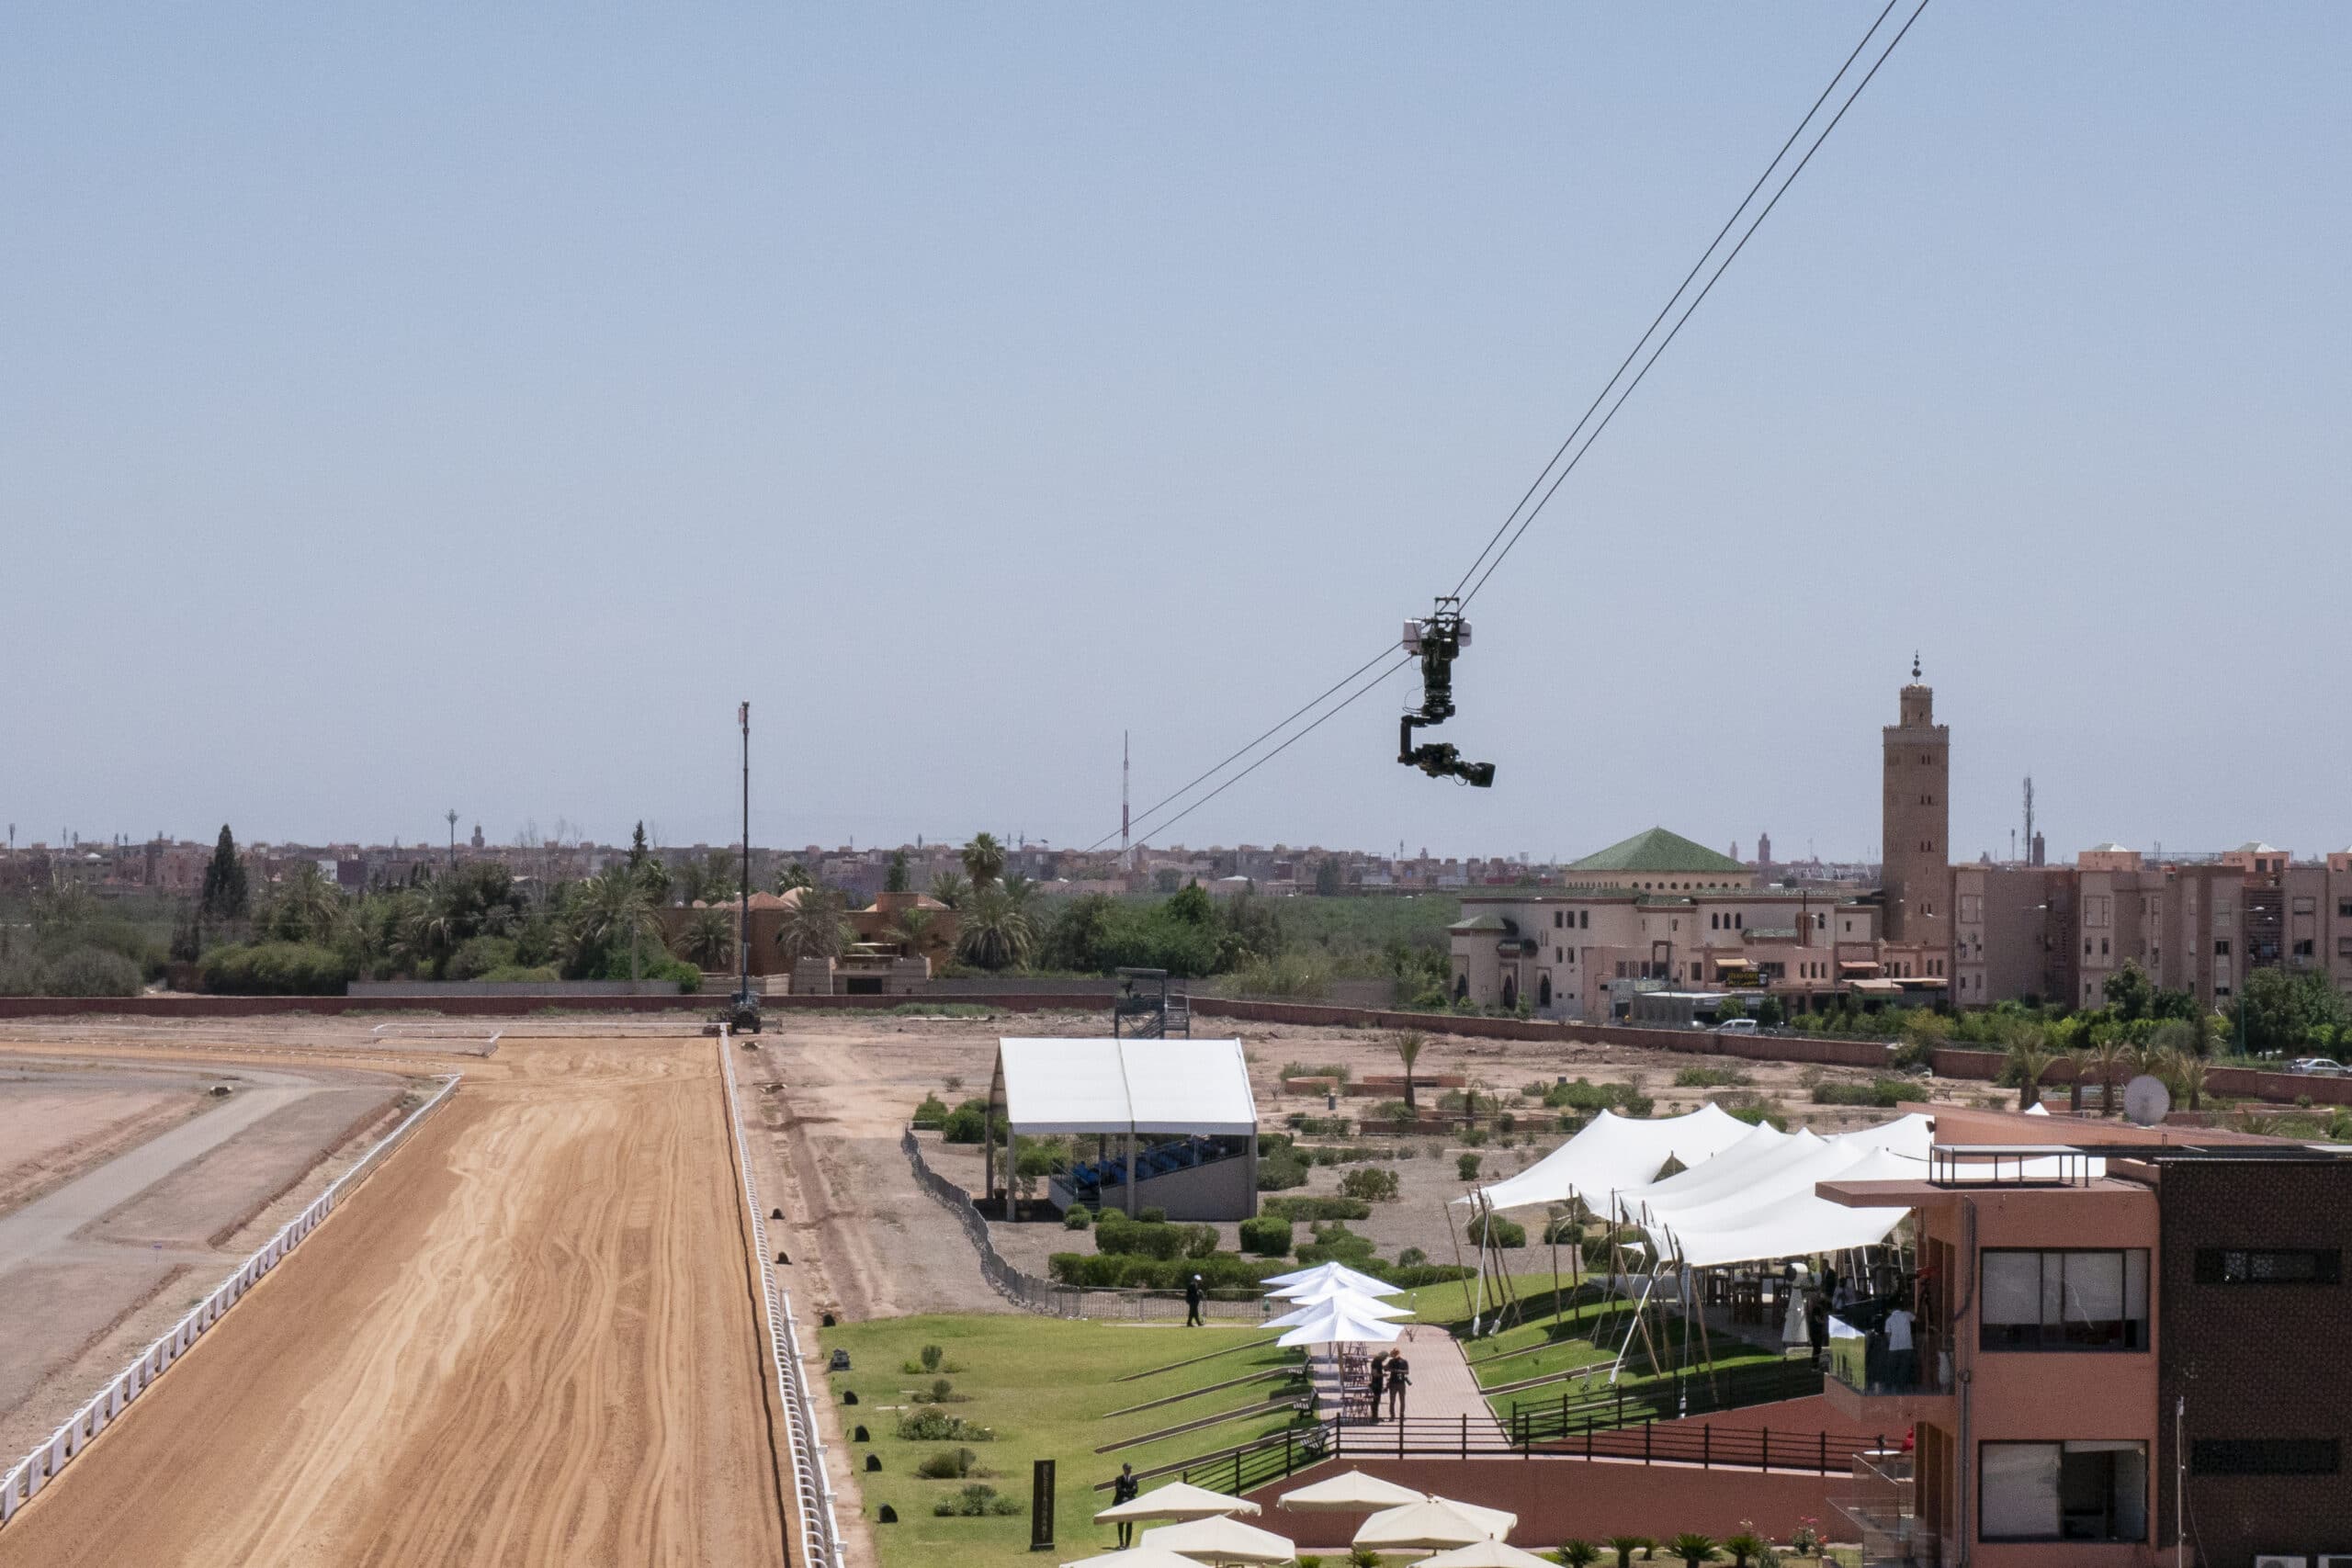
x: 529, y: 1339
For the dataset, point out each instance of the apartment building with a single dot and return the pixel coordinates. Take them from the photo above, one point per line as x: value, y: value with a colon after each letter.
x: 2120, y: 1333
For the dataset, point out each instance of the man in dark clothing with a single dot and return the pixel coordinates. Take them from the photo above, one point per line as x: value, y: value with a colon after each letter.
x: 1817, y: 1327
x: 1124, y: 1490
x: 1193, y: 1303
x: 1400, y: 1377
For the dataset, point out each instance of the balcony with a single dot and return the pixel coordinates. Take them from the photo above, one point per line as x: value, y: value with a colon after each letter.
x: 1881, y: 1507
x: 1870, y: 1380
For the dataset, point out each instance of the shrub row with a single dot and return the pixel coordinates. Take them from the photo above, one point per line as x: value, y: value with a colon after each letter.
x: 1306, y: 1210
x: 1120, y: 1237
x: 1267, y: 1236
x: 276, y: 968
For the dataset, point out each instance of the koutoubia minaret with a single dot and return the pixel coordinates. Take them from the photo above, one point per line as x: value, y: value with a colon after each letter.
x: 1916, y: 826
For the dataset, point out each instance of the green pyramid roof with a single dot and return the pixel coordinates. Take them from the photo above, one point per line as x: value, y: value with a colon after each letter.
x: 1658, y: 850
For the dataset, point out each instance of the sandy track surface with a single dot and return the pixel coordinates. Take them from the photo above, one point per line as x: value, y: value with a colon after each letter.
x: 530, y: 1339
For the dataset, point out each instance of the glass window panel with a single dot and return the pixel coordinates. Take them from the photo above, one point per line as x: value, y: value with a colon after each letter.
x: 2094, y: 1298
x: 2019, y: 1489
x: 2135, y: 1286
x: 2013, y: 1287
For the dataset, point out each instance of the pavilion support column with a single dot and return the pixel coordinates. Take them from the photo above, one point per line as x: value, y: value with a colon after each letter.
x: 1134, y: 1176
x: 988, y: 1156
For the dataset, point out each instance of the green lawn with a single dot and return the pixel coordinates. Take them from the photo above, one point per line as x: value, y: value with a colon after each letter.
x: 1043, y: 1386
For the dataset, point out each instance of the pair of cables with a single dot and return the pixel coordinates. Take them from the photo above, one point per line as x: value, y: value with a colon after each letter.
x: 1879, y: 43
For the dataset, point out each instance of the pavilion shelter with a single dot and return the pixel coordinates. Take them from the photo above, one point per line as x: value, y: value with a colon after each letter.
x: 1173, y: 1123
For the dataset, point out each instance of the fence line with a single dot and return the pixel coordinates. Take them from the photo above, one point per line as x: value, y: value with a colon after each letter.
x: 39, y: 1468
x: 1048, y: 1297
x: 820, y: 1530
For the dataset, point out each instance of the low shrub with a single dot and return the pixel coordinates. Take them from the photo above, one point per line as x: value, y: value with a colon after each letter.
x: 88, y: 972
x: 1306, y: 1210
x: 1338, y: 1072
x: 1124, y: 1271
x: 1151, y: 1214
x: 1588, y: 1097
x: 1710, y: 1077
x: 935, y: 1425
x: 1504, y: 1233
x: 948, y: 1464
x: 1266, y: 1235
x: 1467, y: 1166
x: 1079, y: 1217
x: 1474, y: 1137
x: 1411, y: 1257
x: 968, y: 1123
x: 1279, y: 1165
x: 974, y: 1501
x: 931, y: 1113
x: 1883, y: 1092
x: 275, y: 968
x: 1367, y: 1184
x: 1120, y: 1235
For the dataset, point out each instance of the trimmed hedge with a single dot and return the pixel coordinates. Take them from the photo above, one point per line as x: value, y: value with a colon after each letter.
x: 1306, y: 1210
x: 1267, y: 1236
x: 1220, y: 1271
x: 276, y: 968
x: 1121, y: 1237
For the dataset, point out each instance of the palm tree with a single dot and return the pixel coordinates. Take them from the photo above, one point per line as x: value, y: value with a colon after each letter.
x: 812, y: 926
x: 983, y: 859
x: 609, y: 910
x: 308, y: 908
x: 998, y: 932
x: 2189, y: 1081
x: 1577, y: 1553
x: 2028, y: 1061
x: 950, y: 888
x: 709, y: 940
x: 792, y: 877
x: 2109, y: 1053
x: 2084, y: 1061
x: 1692, y: 1547
x: 1407, y: 1045
x: 431, y: 925
x: 1624, y: 1546
x: 1745, y: 1545
x: 914, y: 929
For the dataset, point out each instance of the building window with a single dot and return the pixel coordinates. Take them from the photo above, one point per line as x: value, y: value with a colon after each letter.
x: 2303, y: 1266
x: 1559, y: 919
x: 1583, y: 920
x: 2304, y: 948
x: 2102, y: 947
x: 2087, y: 1490
x: 2265, y: 1456
x: 2344, y: 909
x: 2222, y: 948
x: 2065, y: 1301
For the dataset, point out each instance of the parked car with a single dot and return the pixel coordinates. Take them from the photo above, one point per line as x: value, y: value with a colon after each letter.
x: 2319, y: 1066
x: 1736, y: 1026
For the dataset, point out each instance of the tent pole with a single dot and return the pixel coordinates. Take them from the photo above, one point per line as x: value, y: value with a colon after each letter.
x: 1455, y: 1238
x: 1483, y: 1219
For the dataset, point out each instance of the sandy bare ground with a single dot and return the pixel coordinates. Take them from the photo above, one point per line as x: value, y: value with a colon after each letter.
x: 530, y: 1339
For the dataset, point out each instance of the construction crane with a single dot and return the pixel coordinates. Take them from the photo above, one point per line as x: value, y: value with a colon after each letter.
x: 1438, y: 642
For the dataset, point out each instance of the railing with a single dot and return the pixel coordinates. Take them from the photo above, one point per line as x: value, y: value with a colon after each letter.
x: 1049, y: 1298
x: 1272, y: 1457
x: 1694, y: 1393
x: 821, y: 1531
x: 37, y: 1468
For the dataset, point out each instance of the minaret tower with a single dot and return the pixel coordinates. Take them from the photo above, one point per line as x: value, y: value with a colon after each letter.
x: 1916, y: 825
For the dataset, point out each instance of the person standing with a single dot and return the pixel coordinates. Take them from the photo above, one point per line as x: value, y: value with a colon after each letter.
x: 1193, y: 1295
x: 1816, y: 1323
x: 1902, y: 1369
x: 1125, y: 1490
x: 1400, y: 1377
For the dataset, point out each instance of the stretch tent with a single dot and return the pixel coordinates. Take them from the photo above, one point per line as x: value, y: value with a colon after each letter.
x: 1614, y: 1153
x: 1796, y: 1224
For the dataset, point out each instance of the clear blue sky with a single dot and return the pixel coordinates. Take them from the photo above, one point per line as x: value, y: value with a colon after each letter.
x: 439, y: 407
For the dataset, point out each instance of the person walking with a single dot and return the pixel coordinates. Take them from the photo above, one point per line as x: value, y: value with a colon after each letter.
x: 1903, y: 1361
x: 1193, y: 1295
x: 1400, y: 1377
x: 1125, y: 1490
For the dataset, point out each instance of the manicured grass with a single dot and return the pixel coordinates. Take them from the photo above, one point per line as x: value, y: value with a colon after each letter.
x: 1043, y: 1386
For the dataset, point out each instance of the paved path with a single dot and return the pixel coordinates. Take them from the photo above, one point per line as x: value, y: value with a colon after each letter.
x: 1443, y: 1388
x: 32, y: 1231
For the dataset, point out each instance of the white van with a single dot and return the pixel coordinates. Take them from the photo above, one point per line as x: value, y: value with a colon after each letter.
x: 1736, y: 1026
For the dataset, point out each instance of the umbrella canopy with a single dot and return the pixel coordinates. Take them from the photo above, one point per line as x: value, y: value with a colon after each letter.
x: 1135, y: 1557
x: 1489, y: 1553
x: 1333, y: 1324
x: 1221, y: 1540
x: 1299, y: 1280
x: 1176, y: 1500
x: 1334, y: 1291
x: 1352, y: 1304
x: 1434, y: 1523
x: 1355, y: 1490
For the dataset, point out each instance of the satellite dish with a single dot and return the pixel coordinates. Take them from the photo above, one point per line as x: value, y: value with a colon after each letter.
x: 2147, y: 1100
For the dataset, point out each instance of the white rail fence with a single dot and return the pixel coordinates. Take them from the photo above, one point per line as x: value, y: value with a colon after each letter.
x: 39, y: 1468
x: 820, y: 1530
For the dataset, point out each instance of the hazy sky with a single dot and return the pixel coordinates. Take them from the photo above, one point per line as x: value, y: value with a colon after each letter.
x: 435, y: 407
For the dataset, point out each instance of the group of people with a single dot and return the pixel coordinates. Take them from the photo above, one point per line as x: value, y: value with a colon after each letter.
x: 1814, y: 1296
x: 1390, y: 1375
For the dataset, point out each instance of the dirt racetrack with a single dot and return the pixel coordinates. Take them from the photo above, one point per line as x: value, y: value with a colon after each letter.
x: 530, y: 1339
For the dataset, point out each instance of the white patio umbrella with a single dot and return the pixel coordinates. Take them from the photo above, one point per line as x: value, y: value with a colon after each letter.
x: 1334, y: 1291
x: 1351, y: 1303
x: 1176, y: 1500
x: 1288, y: 1284
x: 1354, y: 1492
x: 1434, y: 1523
x: 1487, y: 1553
x: 1135, y: 1557
x: 1333, y: 1324
x: 1221, y: 1540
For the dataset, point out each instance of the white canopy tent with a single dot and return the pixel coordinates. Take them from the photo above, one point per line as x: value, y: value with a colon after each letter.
x: 1126, y: 1089
x: 1614, y: 1153
x: 1301, y: 1283
x: 1794, y: 1224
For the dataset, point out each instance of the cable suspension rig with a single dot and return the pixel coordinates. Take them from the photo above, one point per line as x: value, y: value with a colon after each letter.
x: 1438, y: 641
